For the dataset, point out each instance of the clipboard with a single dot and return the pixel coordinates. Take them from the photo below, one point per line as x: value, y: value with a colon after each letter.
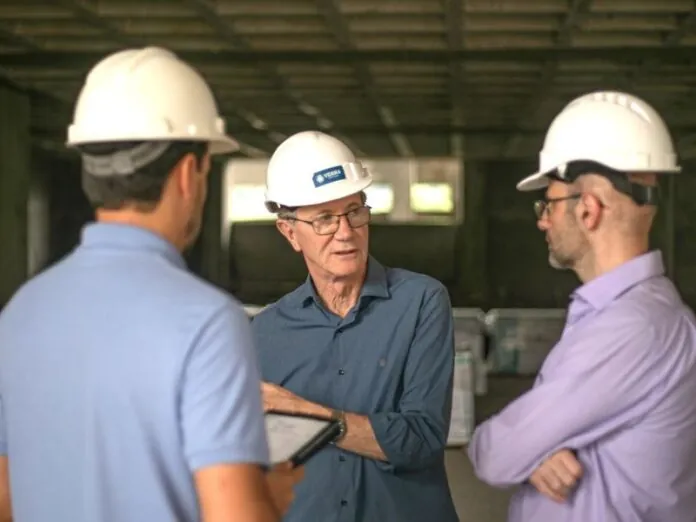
x: 297, y: 437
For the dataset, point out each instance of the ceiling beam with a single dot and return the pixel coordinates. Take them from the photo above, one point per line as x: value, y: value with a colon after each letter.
x: 12, y: 38
x: 89, y: 17
x: 577, y: 9
x: 454, y: 12
x: 378, y: 130
x: 671, y: 40
x: 685, y: 27
x: 331, y: 12
x: 207, y: 11
x: 683, y: 54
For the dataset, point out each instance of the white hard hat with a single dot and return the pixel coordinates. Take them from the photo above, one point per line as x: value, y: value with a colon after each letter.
x: 147, y: 94
x: 613, y: 129
x: 310, y: 168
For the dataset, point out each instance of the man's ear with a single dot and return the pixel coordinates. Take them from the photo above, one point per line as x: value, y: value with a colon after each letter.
x: 589, y: 211
x: 286, y: 228
x: 186, y: 174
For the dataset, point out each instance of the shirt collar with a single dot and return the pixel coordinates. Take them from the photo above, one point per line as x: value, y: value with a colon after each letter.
x: 375, y: 285
x: 129, y: 237
x: 606, y: 288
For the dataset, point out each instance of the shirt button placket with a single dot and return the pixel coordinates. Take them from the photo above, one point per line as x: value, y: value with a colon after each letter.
x: 338, y: 351
x: 343, y: 502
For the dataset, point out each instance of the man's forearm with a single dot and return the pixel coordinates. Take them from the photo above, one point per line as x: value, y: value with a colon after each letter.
x: 5, y: 497
x: 359, y: 438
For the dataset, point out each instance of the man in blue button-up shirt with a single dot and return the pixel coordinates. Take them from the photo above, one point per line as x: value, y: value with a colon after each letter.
x: 369, y: 345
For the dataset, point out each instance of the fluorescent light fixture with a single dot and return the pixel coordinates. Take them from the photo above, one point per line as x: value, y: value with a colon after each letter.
x: 380, y: 196
x: 432, y: 198
x: 246, y: 202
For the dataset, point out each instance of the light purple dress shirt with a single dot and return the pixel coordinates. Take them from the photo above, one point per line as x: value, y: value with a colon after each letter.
x: 620, y: 389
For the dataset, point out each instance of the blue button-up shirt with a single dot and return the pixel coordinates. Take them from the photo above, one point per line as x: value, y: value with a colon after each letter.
x: 620, y: 388
x: 391, y: 358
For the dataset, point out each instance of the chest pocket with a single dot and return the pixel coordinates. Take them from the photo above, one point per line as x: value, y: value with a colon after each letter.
x: 372, y: 356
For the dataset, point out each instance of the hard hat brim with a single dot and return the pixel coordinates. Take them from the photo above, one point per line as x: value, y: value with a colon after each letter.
x: 536, y: 181
x: 218, y: 145
x: 224, y: 145
x: 540, y: 180
x: 273, y: 204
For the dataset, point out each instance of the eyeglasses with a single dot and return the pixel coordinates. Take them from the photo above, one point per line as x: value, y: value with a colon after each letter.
x: 327, y: 224
x: 542, y: 206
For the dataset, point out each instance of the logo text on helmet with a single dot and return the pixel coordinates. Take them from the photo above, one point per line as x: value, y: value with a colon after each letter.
x: 326, y: 176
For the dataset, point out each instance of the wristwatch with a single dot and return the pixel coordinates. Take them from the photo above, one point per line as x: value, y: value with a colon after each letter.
x: 340, y: 417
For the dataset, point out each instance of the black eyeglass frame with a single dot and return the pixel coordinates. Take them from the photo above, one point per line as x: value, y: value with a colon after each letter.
x: 541, y: 206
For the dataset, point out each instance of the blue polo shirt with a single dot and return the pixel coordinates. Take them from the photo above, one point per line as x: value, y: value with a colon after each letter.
x: 121, y: 373
x: 391, y: 358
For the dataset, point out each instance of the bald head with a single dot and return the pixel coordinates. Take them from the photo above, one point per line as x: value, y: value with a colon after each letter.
x: 621, y: 214
x: 591, y: 227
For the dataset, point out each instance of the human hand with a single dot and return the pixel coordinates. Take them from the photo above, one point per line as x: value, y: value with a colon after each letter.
x: 281, y: 480
x: 557, y: 475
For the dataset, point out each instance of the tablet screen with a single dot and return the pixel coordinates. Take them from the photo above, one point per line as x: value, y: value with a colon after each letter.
x: 287, y: 434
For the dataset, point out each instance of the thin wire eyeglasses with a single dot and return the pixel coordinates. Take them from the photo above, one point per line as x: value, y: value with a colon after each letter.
x: 542, y: 206
x: 327, y: 224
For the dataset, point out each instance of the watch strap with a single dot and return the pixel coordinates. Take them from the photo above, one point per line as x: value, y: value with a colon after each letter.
x: 340, y: 417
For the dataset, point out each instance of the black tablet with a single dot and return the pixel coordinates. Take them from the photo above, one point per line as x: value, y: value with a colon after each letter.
x: 297, y: 437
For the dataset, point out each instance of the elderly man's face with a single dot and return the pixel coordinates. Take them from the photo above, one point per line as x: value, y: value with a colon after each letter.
x: 341, y: 250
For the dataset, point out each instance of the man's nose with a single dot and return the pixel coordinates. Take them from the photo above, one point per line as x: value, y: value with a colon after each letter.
x: 344, y: 231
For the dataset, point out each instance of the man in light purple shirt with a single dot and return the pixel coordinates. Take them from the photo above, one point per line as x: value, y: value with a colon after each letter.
x: 608, y: 432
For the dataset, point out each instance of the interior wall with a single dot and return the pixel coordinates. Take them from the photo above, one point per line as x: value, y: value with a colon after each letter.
x: 69, y: 211
x: 496, y: 258
x: 684, y: 240
x: 68, y: 207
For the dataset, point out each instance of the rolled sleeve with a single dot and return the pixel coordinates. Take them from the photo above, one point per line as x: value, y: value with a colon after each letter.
x: 221, y: 408
x: 416, y: 434
x: 601, y: 387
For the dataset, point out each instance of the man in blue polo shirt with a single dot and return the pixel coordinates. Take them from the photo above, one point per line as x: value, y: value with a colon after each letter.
x: 129, y: 389
x: 368, y: 345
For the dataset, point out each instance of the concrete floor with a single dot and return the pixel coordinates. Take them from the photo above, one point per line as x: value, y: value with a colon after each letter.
x: 475, y: 501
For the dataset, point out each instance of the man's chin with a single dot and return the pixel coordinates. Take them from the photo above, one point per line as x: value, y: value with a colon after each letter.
x: 555, y: 263
x: 347, y: 266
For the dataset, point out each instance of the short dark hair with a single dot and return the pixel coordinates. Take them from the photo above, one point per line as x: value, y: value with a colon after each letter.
x: 142, y: 189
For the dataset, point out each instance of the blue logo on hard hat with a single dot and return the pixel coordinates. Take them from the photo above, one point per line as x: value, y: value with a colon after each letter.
x: 326, y: 176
